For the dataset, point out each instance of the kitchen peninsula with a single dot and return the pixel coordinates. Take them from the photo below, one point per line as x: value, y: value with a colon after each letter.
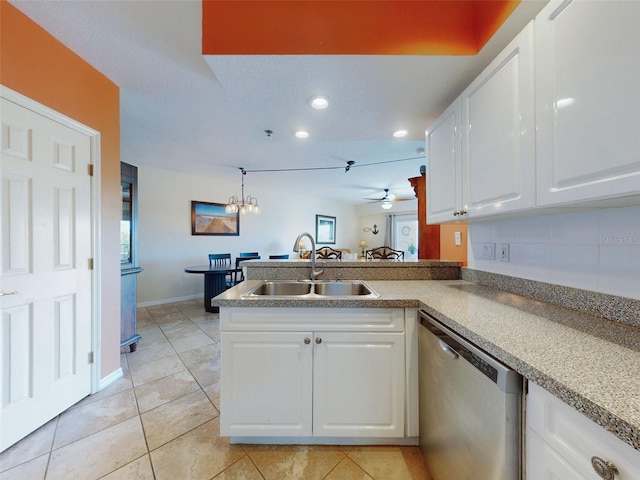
x: 355, y: 270
x: 587, y: 361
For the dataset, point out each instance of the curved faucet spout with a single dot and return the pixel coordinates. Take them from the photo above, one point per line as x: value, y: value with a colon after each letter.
x: 314, y: 273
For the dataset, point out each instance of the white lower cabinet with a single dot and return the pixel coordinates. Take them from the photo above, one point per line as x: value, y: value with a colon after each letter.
x: 563, y: 444
x: 313, y: 383
x: 267, y: 386
x: 358, y: 384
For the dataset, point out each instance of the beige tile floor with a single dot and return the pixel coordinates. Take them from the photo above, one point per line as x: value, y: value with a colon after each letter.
x: 160, y: 421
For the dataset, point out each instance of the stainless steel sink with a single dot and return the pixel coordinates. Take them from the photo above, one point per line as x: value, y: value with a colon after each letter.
x: 340, y: 289
x: 315, y: 289
x: 281, y: 289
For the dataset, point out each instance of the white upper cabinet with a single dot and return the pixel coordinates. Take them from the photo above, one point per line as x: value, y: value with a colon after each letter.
x: 588, y: 101
x: 498, y: 133
x: 481, y: 151
x: 444, y: 168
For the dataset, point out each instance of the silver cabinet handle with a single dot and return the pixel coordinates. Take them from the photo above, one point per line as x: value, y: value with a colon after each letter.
x: 604, y: 469
x: 307, y: 341
x: 2, y: 294
x: 318, y: 340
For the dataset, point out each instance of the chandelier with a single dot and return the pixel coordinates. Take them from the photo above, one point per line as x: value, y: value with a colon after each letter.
x: 243, y: 205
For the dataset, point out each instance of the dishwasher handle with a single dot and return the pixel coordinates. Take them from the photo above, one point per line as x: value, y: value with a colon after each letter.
x: 447, y: 349
x: 504, y: 377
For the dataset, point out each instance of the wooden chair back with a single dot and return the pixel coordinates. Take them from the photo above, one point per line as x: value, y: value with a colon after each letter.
x: 385, y: 253
x: 326, y: 253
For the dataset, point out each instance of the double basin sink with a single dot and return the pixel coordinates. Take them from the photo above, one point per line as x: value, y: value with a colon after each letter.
x: 290, y: 288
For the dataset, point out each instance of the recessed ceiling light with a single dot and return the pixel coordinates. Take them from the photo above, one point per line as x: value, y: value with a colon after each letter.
x: 301, y: 134
x: 319, y: 102
x: 400, y: 133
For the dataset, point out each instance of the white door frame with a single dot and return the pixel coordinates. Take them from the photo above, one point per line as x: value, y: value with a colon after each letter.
x: 30, y: 104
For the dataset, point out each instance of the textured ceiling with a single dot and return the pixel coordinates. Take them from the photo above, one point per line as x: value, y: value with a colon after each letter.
x: 206, y: 115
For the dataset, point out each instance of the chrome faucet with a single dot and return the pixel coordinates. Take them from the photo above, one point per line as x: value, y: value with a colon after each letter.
x: 314, y: 273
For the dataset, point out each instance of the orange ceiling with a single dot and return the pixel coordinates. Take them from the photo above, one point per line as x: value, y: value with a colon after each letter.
x: 356, y: 27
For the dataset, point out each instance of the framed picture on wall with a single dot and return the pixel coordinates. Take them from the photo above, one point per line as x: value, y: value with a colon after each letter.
x: 325, y: 229
x: 211, y: 219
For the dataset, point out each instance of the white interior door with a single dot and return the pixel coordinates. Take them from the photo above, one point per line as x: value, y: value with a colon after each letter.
x: 45, y: 333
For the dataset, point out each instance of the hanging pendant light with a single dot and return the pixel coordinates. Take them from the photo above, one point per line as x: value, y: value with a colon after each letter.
x: 243, y: 205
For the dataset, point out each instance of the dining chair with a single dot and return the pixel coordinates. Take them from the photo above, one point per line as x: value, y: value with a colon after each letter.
x: 385, y: 253
x: 249, y: 254
x: 328, y: 253
x: 279, y: 257
x: 238, y: 273
x: 222, y: 260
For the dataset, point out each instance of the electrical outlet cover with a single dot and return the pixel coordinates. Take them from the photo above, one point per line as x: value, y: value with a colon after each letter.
x: 504, y: 252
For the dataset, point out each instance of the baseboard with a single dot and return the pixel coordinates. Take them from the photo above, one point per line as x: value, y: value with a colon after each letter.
x: 109, y: 379
x: 168, y: 300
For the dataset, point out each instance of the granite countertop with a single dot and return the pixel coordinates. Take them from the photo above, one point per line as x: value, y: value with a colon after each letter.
x: 589, y: 362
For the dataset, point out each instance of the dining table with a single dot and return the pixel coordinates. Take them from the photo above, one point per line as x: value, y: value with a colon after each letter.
x: 215, y: 282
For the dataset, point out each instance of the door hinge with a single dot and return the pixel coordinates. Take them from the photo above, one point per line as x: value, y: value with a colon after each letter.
x: 91, y: 264
x: 90, y: 168
x: 90, y: 357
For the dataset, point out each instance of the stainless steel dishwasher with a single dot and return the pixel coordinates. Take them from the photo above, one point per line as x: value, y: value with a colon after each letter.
x: 470, y: 408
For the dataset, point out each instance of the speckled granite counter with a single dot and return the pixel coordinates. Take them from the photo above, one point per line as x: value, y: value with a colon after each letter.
x: 354, y: 270
x: 590, y: 363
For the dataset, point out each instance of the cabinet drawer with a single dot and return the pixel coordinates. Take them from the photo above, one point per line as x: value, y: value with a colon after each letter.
x: 316, y: 319
x: 575, y: 438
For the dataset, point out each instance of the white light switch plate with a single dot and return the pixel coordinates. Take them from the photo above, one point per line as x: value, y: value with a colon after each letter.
x: 488, y: 250
x: 458, y: 238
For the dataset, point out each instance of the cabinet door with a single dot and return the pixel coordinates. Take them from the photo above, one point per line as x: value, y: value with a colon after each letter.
x: 359, y: 385
x: 588, y: 73
x: 575, y: 438
x: 266, y: 384
x: 543, y: 462
x: 498, y: 133
x: 444, y: 194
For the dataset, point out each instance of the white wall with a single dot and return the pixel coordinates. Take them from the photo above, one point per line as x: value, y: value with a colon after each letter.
x: 597, y: 250
x: 166, y: 245
x: 371, y: 214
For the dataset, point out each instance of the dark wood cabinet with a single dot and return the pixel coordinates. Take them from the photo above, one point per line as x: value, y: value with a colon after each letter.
x: 129, y: 268
x: 428, y: 235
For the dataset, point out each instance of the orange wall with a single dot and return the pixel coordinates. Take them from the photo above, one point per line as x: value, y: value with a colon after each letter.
x: 448, y: 248
x: 35, y: 64
x: 348, y: 27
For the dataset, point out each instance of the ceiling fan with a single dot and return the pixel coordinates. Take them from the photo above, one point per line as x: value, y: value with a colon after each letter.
x: 387, y: 199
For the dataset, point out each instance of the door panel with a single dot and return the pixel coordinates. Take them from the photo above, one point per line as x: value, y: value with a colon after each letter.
x: 358, y: 384
x: 46, y: 236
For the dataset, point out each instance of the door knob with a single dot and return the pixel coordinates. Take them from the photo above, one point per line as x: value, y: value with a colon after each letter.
x: 318, y: 340
x: 307, y: 341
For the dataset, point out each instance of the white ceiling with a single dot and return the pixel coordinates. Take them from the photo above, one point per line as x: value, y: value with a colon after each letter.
x: 206, y: 116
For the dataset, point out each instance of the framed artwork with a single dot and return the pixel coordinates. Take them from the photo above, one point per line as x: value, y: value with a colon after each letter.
x: 325, y: 229
x: 211, y: 219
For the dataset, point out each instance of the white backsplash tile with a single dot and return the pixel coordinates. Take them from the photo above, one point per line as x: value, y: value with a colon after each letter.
x: 533, y: 230
x: 589, y: 249
x: 504, y: 231
x: 581, y: 228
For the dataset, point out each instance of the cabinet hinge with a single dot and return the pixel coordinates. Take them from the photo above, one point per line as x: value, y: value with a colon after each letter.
x: 90, y: 168
x: 90, y: 357
x: 91, y: 264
